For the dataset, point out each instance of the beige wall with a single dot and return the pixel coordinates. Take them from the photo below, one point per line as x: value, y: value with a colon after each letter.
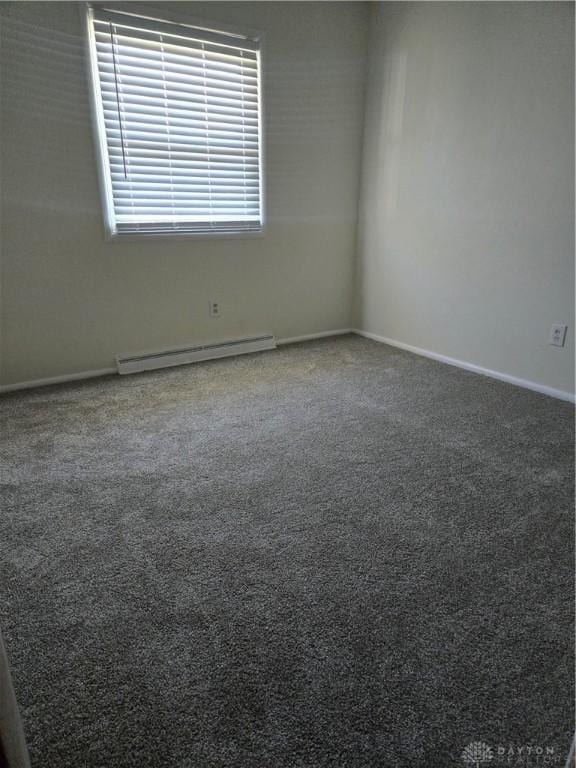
x: 466, y: 234
x: 71, y: 300
x: 466, y: 237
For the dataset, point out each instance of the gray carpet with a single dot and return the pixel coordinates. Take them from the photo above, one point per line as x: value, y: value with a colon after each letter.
x: 335, y: 554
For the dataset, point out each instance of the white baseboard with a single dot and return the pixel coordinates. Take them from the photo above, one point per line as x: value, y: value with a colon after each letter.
x: 57, y: 379
x: 311, y: 336
x: 107, y: 371
x: 525, y: 383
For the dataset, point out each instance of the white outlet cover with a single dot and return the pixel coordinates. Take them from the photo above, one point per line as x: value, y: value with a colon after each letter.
x: 558, y: 334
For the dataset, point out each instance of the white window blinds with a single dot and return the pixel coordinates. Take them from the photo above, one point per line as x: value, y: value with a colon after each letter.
x: 178, y: 116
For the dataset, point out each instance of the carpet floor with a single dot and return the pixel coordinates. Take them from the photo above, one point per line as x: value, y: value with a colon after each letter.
x: 334, y: 554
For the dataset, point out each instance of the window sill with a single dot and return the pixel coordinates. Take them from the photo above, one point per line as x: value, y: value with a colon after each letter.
x: 135, y: 237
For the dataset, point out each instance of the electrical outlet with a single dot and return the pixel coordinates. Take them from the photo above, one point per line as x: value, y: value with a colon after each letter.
x: 214, y: 308
x: 558, y: 334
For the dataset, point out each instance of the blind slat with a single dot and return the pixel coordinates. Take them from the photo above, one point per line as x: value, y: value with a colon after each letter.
x: 160, y: 82
x: 194, y: 120
x: 196, y: 69
x: 225, y: 68
x: 177, y: 106
x: 212, y: 58
x: 158, y: 111
x: 151, y: 184
x: 196, y: 127
x: 200, y: 173
x: 189, y: 98
x: 185, y: 218
x: 161, y: 154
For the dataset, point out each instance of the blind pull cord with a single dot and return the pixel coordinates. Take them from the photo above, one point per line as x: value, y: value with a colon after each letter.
x: 118, y: 102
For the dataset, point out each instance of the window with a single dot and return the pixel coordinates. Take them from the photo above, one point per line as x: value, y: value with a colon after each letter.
x: 178, y: 119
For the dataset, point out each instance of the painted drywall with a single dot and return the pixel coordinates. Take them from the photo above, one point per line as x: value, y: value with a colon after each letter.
x: 71, y: 300
x: 466, y: 233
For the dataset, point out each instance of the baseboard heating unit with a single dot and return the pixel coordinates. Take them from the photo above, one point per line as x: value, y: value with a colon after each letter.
x: 148, y: 361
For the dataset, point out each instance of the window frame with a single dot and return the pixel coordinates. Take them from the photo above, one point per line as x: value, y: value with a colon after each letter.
x: 99, y: 126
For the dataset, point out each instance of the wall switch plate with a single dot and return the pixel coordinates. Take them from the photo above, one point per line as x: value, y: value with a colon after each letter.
x: 558, y: 334
x: 214, y: 308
